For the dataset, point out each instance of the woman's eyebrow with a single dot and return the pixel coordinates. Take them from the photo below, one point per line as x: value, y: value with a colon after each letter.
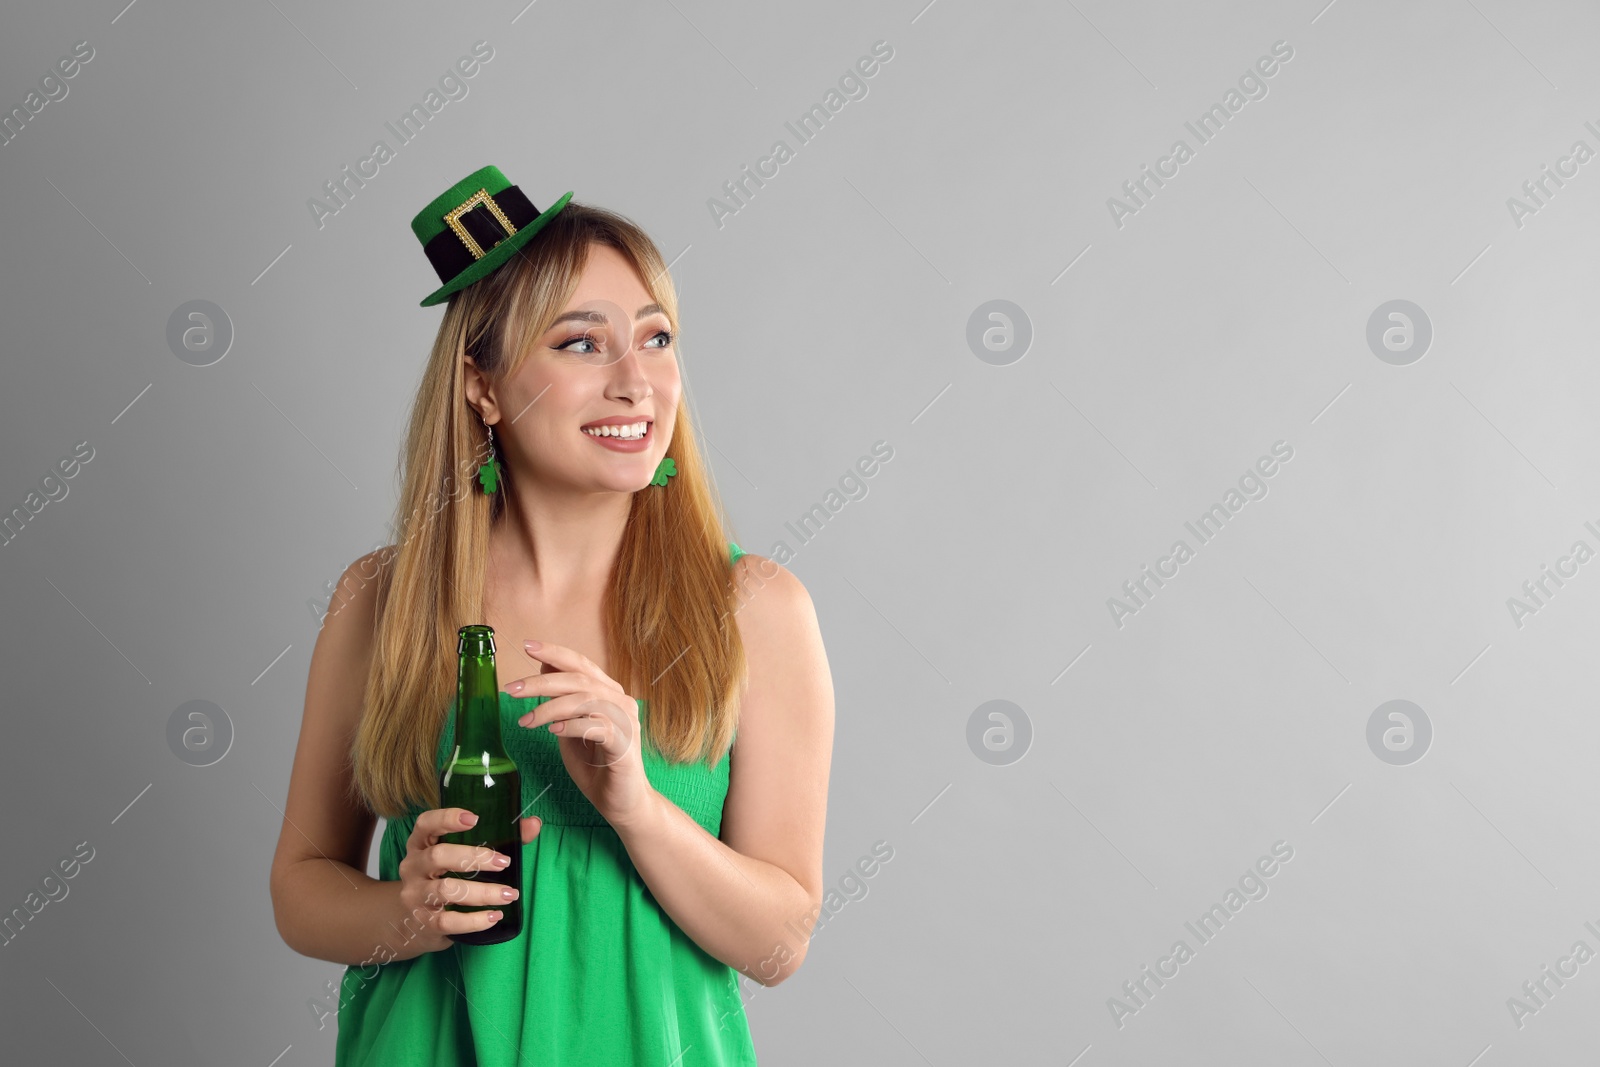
x: 599, y: 316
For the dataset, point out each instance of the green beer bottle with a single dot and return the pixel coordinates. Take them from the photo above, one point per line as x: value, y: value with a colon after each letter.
x: 481, y: 778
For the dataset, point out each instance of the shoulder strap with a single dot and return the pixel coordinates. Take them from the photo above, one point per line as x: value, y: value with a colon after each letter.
x: 734, y: 552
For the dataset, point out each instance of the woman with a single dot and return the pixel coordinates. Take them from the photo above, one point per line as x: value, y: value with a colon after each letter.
x: 671, y: 712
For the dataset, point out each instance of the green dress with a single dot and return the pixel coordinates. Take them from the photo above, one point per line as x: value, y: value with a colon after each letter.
x: 600, y: 974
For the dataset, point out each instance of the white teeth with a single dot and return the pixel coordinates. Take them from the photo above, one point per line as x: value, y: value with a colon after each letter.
x: 632, y: 432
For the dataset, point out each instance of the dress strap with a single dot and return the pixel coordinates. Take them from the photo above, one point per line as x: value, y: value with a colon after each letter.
x: 734, y: 552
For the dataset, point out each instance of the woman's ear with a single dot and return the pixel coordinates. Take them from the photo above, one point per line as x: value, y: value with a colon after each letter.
x: 480, y: 394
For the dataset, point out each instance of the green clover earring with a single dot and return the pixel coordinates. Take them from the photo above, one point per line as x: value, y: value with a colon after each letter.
x: 489, y: 472
x: 664, y: 470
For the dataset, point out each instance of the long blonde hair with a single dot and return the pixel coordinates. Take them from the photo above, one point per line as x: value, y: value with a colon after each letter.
x: 668, y: 606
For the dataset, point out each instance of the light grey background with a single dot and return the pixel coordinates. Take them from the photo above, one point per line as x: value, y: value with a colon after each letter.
x: 1166, y: 755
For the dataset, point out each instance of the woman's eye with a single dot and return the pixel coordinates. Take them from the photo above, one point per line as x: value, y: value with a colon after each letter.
x: 668, y: 342
x: 566, y: 345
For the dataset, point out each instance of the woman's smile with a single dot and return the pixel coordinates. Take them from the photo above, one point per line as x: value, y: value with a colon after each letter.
x: 621, y: 433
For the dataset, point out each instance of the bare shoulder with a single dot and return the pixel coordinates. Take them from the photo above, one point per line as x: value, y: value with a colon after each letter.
x: 358, y: 587
x: 347, y: 641
x: 776, y: 616
x: 761, y: 581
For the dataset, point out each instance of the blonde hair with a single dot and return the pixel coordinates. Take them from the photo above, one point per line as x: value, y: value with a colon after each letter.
x: 668, y: 606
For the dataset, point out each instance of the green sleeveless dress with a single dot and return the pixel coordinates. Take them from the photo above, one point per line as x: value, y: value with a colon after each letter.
x: 600, y: 974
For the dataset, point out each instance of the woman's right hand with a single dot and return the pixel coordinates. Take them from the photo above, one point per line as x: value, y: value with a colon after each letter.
x: 425, y: 889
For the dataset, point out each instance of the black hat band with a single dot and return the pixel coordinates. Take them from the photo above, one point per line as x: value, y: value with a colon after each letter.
x: 449, y: 251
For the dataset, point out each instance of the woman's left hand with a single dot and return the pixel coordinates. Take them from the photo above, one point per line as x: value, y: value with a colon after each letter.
x: 598, y: 726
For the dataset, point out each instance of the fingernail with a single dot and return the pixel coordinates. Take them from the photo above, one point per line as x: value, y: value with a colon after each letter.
x: 468, y: 819
x: 502, y: 861
x: 531, y: 645
x: 514, y: 687
x: 509, y: 893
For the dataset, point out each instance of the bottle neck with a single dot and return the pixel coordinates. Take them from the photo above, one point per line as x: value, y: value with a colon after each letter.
x: 478, y: 708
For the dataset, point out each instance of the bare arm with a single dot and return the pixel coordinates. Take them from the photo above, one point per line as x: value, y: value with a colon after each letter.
x: 328, y: 910
x: 750, y: 898
x: 325, y: 904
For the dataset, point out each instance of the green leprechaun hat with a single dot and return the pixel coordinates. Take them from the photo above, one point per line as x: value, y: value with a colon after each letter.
x: 476, y: 225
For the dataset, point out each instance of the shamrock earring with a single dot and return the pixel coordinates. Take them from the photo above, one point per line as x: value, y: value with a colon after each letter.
x: 489, y: 472
x: 664, y: 470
